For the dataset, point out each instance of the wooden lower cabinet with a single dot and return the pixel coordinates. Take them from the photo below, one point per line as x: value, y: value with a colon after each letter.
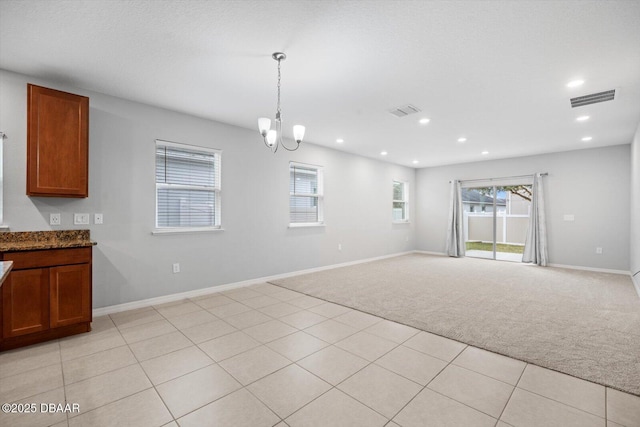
x: 69, y: 299
x: 25, y: 300
x: 41, y: 299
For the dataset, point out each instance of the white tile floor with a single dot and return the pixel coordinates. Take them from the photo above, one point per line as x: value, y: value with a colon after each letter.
x: 266, y: 356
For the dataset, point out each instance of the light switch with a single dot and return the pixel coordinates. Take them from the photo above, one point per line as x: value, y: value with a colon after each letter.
x: 569, y: 217
x: 81, y: 219
x: 97, y: 218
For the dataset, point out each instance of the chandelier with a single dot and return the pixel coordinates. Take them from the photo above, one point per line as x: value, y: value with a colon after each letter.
x: 273, y: 137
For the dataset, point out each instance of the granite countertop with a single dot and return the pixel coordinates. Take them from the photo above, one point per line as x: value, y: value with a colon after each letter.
x: 34, y: 240
x: 5, y: 268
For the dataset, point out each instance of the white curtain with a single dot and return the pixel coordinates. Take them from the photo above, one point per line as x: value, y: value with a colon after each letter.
x: 535, y: 246
x: 455, y: 234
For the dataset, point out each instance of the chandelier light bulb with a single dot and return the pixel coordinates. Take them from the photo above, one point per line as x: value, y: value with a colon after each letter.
x: 298, y: 133
x: 271, y: 138
x: 264, y: 125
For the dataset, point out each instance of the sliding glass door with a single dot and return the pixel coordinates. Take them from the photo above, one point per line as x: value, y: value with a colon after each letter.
x: 495, y: 220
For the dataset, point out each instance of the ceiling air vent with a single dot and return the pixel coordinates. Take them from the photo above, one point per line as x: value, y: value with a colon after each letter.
x: 404, y: 110
x: 594, y: 98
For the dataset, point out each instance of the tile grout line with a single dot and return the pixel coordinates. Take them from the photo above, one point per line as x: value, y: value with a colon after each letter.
x: 512, y: 392
x: 299, y: 330
x: 369, y: 363
x: 563, y: 403
x: 243, y: 386
x: 149, y: 379
x: 124, y: 397
x: 429, y: 382
x: 195, y: 345
x: 606, y: 405
x: 343, y: 380
x: 32, y: 370
x: 64, y: 385
x: 559, y: 402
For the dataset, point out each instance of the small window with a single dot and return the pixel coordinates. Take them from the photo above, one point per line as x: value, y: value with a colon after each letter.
x: 400, y: 212
x: 187, y: 187
x: 305, y: 194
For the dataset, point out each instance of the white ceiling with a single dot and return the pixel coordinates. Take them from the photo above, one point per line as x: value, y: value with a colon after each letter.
x: 494, y: 72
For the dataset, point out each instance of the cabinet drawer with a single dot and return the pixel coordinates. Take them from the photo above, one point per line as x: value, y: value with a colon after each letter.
x: 48, y: 258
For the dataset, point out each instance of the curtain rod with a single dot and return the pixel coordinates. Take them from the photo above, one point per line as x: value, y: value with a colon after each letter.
x: 502, y: 177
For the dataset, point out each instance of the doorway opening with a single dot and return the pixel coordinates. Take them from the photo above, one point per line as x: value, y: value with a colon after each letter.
x: 495, y: 221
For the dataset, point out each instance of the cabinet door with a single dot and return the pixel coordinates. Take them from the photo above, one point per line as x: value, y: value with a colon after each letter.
x: 25, y: 300
x: 70, y: 294
x: 57, y: 143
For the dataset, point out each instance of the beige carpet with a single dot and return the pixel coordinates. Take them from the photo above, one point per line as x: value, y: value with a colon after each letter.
x: 581, y: 323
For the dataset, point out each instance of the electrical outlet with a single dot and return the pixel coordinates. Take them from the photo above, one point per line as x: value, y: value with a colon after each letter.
x: 569, y: 217
x: 339, y: 246
x: 599, y: 251
x: 97, y: 218
x: 81, y: 219
x: 54, y: 219
x: 176, y: 267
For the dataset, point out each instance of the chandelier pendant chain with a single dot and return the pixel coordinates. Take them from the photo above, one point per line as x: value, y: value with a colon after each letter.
x: 279, y: 77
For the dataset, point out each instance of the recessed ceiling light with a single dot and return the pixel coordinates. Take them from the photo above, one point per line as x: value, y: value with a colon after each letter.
x: 415, y: 162
x: 424, y: 121
x: 462, y: 139
x: 339, y: 140
x: 484, y: 153
x: 383, y: 153
x: 582, y: 118
x: 575, y: 83
x: 587, y: 138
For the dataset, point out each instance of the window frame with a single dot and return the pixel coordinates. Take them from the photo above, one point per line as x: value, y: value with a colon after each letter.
x: 404, y: 200
x: 217, y: 189
x: 319, y: 195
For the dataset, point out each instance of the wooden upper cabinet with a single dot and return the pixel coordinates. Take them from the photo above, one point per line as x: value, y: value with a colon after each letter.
x: 57, y: 143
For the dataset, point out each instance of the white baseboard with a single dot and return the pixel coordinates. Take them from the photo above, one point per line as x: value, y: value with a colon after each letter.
x: 430, y: 253
x: 636, y: 283
x: 220, y: 288
x: 599, y: 270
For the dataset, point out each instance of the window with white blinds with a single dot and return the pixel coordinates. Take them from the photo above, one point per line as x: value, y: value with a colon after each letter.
x: 400, y: 211
x: 305, y: 194
x: 187, y: 187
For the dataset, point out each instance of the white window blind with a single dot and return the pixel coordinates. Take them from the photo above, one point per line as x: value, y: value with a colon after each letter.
x: 400, y: 212
x: 305, y: 194
x: 187, y: 186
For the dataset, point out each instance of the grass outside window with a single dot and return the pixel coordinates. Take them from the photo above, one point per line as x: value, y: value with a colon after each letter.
x: 500, y: 247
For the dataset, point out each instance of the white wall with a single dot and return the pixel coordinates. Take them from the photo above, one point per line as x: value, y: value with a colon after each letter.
x: 131, y: 264
x: 592, y: 184
x: 635, y: 206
